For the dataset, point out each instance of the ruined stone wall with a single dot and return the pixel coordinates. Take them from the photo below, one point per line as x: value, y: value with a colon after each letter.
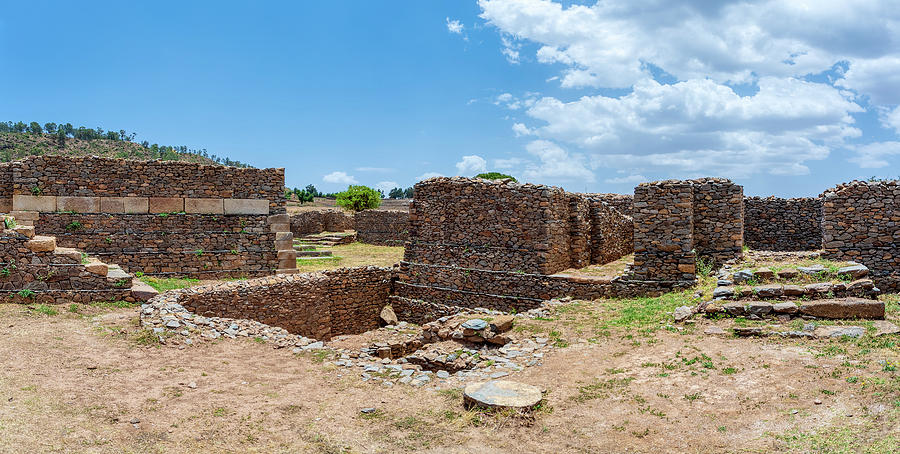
x: 489, y: 225
x: 383, y: 228
x: 319, y: 305
x: 318, y: 221
x: 612, y: 233
x: 198, y: 245
x: 52, y: 276
x: 5, y: 187
x: 718, y: 233
x: 197, y: 186
x: 663, y: 232
x: 861, y: 222
x: 621, y: 202
x: 776, y: 224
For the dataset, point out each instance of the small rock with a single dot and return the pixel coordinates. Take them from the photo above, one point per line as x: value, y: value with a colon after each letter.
x: 714, y: 331
x: 787, y: 307
x: 682, y: 313
x: 367, y: 410
x: 442, y: 374
x: 475, y: 324
x: 744, y: 331
x: 883, y: 328
x: 818, y: 401
x: 388, y: 316
x: 811, y: 270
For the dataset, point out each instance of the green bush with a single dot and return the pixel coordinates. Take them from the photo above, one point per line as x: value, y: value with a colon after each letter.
x: 495, y: 176
x: 358, y: 198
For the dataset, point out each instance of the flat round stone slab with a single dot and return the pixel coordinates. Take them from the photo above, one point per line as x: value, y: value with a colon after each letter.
x: 502, y: 394
x: 476, y: 324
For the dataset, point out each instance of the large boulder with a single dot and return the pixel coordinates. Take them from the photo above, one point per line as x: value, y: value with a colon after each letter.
x: 388, y: 317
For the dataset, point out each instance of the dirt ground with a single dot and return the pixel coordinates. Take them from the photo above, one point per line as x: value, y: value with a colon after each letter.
x: 622, y: 380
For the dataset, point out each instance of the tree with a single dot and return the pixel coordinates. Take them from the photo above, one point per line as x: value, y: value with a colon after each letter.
x: 50, y: 128
x: 19, y: 127
x: 408, y: 192
x: 35, y: 128
x: 495, y: 176
x: 312, y: 190
x: 359, y: 198
x: 396, y: 193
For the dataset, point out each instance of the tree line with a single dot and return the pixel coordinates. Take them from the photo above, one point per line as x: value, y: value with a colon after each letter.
x: 61, y: 132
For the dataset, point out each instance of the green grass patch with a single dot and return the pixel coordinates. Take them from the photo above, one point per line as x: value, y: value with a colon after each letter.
x: 161, y: 284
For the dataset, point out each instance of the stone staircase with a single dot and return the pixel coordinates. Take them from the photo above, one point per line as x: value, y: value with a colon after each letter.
x: 807, y: 292
x: 327, y: 239
x: 280, y: 224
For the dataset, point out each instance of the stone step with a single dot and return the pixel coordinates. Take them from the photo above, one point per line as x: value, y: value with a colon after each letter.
x: 831, y: 308
x: 313, y: 253
x: 141, y: 291
x: 335, y: 257
x: 287, y: 271
x: 41, y: 243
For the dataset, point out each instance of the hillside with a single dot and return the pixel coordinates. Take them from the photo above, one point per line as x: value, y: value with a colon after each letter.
x: 15, y: 145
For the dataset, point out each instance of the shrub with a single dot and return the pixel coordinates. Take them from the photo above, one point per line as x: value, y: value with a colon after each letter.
x: 495, y: 176
x: 358, y: 198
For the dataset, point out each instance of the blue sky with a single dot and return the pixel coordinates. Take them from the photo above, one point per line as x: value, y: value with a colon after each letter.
x: 587, y: 97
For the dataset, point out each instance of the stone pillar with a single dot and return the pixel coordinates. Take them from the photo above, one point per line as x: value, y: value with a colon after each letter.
x: 280, y: 224
x: 663, y: 232
x: 718, y: 219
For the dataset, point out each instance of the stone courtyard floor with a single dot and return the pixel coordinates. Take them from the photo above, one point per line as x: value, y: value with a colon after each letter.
x: 621, y: 377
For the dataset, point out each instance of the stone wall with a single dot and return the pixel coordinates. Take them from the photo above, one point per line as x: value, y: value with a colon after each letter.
x: 36, y: 271
x: 198, y: 245
x: 776, y: 224
x: 621, y: 202
x: 489, y: 225
x: 6, y: 192
x: 95, y: 185
x: 663, y: 232
x: 612, y: 233
x: 318, y: 221
x: 861, y: 222
x: 383, y: 228
x: 718, y: 232
x: 319, y: 305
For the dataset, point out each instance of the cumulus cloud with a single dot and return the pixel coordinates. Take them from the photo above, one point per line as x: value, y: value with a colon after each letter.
x: 804, y: 70
x: 874, y: 155
x: 556, y: 164
x: 339, y: 177
x: 472, y: 164
x: 455, y: 26
x: 386, y: 186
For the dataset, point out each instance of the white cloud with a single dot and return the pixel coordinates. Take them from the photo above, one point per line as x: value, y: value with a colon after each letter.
x: 455, y: 26
x: 339, y: 177
x: 891, y: 119
x: 556, y: 164
x: 702, y: 126
x: 428, y: 175
x: 472, y: 164
x: 630, y: 179
x: 386, y: 186
x: 521, y: 130
x: 874, y: 155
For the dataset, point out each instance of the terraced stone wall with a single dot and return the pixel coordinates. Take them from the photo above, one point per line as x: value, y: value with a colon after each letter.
x: 114, y: 179
x: 861, y: 222
x: 319, y: 305
x: 718, y: 219
x: 383, y: 228
x: 197, y: 245
x: 30, y: 274
x: 776, y: 224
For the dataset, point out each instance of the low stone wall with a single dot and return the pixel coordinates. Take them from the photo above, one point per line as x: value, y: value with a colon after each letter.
x: 623, y: 203
x: 42, y: 273
x: 383, y: 228
x: 318, y: 221
x: 776, y: 224
x: 861, y: 222
x: 319, y: 305
x: 203, y: 246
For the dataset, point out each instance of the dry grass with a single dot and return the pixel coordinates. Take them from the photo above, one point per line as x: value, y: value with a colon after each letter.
x: 354, y: 254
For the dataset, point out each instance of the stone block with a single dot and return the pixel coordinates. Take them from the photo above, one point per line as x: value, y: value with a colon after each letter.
x: 279, y: 219
x: 280, y: 227
x: 41, y: 244
x: 166, y: 205
x: 41, y: 203
x: 141, y: 291
x: 204, y: 206
x: 287, y: 263
x: 284, y: 236
x: 288, y: 254
x: 786, y: 307
x: 137, y: 205
x: 282, y: 245
x: 98, y: 268
x: 112, y: 205
x: 246, y: 206
x: 78, y: 204
x: 27, y: 230
x: 6, y: 204
x: 844, y: 308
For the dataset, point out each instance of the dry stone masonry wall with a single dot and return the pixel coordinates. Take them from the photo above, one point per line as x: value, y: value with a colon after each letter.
x: 861, y: 222
x: 776, y: 224
x: 621, y: 202
x: 718, y: 219
x: 318, y: 221
x: 319, y: 305
x: 383, y: 228
x: 612, y: 233
x: 663, y: 232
